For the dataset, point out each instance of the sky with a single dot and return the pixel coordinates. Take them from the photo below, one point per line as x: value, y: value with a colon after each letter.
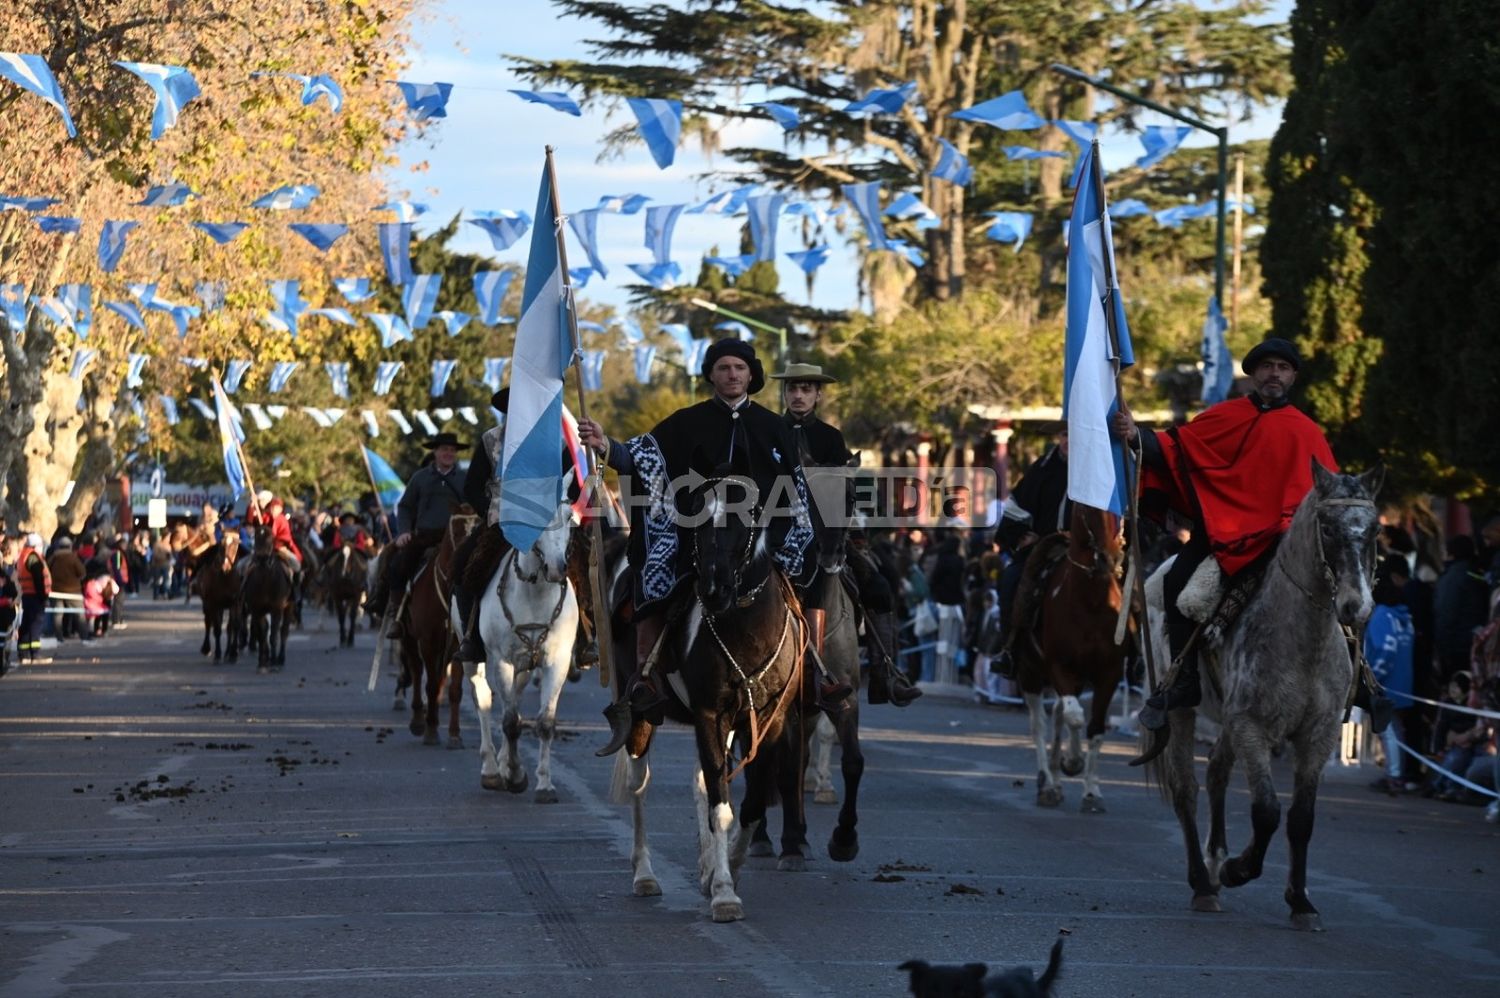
x: 489, y: 152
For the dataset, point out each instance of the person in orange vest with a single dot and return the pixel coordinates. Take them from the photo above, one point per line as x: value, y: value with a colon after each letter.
x: 35, y: 580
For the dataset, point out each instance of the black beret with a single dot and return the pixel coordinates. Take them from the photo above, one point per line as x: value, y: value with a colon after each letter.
x: 731, y: 347
x: 1275, y: 346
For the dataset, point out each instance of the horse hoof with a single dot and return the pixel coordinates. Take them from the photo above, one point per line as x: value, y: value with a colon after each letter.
x: 1233, y: 873
x: 1307, y: 921
x: 1071, y: 767
x: 262, y: 670
x: 455, y: 742
x: 417, y: 727
x: 826, y: 796
x: 1092, y: 804
x: 431, y: 738
x: 1049, y: 797
x: 843, y: 851
x: 761, y: 849
x: 1208, y: 903
x: 647, y: 887
x: 728, y: 911
x: 491, y: 782
x: 518, y: 785
x: 398, y: 704
x: 546, y: 796
x: 792, y: 863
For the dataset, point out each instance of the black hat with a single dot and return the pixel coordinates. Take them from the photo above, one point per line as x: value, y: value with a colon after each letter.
x: 1274, y: 346
x: 445, y: 439
x: 501, y: 400
x: 731, y: 347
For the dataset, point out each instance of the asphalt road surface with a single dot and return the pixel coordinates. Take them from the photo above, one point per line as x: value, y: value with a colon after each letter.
x: 173, y: 828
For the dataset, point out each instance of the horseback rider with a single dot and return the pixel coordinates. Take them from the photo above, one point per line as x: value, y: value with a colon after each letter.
x: 726, y: 430
x: 424, y: 510
x: 351, y: 532
x: 271, y: 510
x: 1238, y: 471
x: 476, y: 558
x: 820, y: 445
x: 1037, y: 507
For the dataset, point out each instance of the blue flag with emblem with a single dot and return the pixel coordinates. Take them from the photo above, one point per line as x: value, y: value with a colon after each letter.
x: 556, y: 100
x: 530, y: 471
x: 503, y: 226
x: 952, y: 165
x: 388, y: 484
x: 322, y: 235
x: 58, y: 224
x: 1008, y: 111
x: 313, y: 87
x: 282, y: 373
x: 442, y: 370
x: 234, y: 373
x: 354, y: 289
x: 661, y: 219
x: 221, y: 232
x: 494, y: 371
x: 112, y: 244
x: 764, y: 211
x: 288, y: 197
x: 585, y: 225
x: 645, y: 355
x: 31, y: 73
x: 419, y: 298
x: 1097, y: 345
x: 338, y: 377
x: 592, y: 369
x: 883, y: 101
x: 395, y: 248
x: 866, y: 201
x: 1160, y: 141
x: 426, y: 100
x: 385, y: 373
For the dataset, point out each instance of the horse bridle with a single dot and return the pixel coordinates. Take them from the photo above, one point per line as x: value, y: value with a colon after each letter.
x: 1328, y: 577
x: 439, y: 580
x: 1098, y: 553
x: 741, y: 601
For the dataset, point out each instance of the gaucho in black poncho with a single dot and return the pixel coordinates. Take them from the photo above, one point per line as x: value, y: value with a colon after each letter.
x: 708, y: 439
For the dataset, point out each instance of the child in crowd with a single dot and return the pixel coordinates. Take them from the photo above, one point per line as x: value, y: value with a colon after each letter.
x: 99, y: 592
x: 1456, y: 737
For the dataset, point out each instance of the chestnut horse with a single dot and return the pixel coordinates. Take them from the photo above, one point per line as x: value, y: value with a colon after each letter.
x: 427, y: 640
x: 1072, y: 648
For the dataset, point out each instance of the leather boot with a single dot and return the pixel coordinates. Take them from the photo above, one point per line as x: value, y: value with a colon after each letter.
x: 1184, y: 692
x: 643, y: 693
x: 618, y: 714
x: 1370, y: 698
x: 471, y: 649
x: 888, y: 684
x: 833, y: 695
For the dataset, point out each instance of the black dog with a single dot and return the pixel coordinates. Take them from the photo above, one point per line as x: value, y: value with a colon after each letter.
x: 969, y: 980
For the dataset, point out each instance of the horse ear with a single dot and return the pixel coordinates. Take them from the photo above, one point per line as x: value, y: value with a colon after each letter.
x: 1322, y: 477
x: 1372, y: 480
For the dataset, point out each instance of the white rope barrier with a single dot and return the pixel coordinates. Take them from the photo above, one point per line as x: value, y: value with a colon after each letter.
x: 1472, y: 711
x: 1424, y: 760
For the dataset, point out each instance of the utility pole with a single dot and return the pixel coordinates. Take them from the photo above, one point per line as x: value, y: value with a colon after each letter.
x: 1221, y: 133
x: 1239, y: 241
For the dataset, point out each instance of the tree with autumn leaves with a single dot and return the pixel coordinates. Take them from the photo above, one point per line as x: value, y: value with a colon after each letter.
x: 240, y: 139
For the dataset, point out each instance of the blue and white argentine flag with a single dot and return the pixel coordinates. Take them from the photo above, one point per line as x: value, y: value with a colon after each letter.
x: 1096, y: 461
x: 231, y: 434
x: 530, y: 468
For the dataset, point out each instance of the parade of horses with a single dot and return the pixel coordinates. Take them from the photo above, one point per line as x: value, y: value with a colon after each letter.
x: 858, y: 617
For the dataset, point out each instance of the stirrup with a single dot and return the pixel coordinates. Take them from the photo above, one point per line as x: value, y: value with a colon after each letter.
x: 833, y: 697
x: 643, y: 697
x: 901, y: 692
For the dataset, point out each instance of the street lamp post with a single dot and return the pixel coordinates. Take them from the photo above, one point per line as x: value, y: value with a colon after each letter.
x: 1221, y: 133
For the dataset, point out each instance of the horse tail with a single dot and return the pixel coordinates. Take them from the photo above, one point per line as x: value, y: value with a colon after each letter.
x: 1155, y: 767
x: 620, y: 789
x: 1054, y: 966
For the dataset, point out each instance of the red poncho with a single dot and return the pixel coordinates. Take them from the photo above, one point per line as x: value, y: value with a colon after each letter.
x: 1247, y: 468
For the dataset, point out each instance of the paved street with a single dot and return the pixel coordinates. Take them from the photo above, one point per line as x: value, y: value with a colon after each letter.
x: 173, y: 828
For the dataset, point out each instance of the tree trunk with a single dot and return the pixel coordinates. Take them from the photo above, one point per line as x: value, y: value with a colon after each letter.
x: 95, y: 463
x: 49, y: 452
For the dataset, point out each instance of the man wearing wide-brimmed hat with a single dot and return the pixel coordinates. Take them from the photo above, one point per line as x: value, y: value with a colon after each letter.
x: 726, y: 431
x: 476, y: 558
x: 821, y: 445
x: 431, y: 493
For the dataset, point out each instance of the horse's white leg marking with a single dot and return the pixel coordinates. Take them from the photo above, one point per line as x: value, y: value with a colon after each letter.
x: 825, y: 738
x: 705, y: 832
x: 726, y: 905
x: 1091, y: 769
x: 1040, y: 735
x: 489, y: 766
x: 511, y: 683
x: 638, y: 779
x: 1072, y: 715
x: 558, y: 652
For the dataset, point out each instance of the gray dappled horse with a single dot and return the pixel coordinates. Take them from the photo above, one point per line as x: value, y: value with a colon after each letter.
x: 1283, y: 672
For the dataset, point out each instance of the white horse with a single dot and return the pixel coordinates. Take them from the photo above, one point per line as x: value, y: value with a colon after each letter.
x: 528, y: 618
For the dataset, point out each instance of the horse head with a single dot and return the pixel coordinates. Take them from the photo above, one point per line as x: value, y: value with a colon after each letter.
x: 548, y: 557
x: 1346, y: 522
x: 729, y: 552
x: 264, y: 545
x: 1095, y: 541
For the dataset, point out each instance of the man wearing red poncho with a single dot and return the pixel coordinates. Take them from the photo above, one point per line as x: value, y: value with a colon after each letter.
x: 1238, y: 471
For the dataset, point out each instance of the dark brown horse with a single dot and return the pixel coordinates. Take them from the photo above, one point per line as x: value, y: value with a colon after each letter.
x: 733, y: 659
x: 344, y: 578
x: 1072, y: 648
x: 219, y: 589
x: 427, y: 639
x: 266, y: 599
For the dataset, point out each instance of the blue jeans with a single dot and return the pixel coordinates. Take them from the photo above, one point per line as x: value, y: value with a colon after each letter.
x: 1456, y: 760
x: 1394, y: 757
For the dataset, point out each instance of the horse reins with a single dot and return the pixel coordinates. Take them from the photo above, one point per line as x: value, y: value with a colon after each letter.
x: 1328, y: 577
x: 531, y: 635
